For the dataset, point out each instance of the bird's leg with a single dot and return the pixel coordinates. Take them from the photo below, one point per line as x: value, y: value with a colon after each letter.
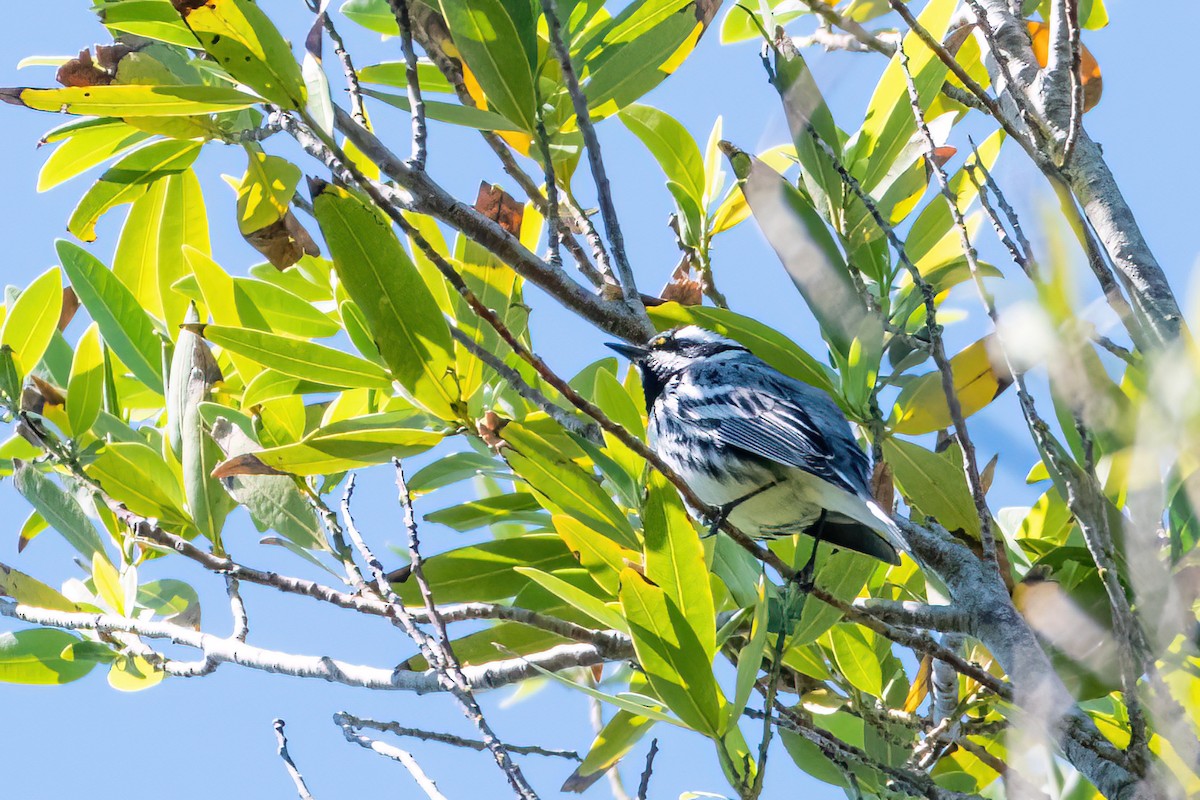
x: 804, y: 578
x: 723, y: 511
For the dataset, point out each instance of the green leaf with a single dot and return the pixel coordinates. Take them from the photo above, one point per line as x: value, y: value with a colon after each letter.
x: 353, y: 443
x: 675, y: 663
x: 300, y: 358
x: 612, y: 743
x: 194, y: 372
x: 152, y: 19
x: 675, y: 559
x: 577, y: 598
x: 107, y: 581
x: 889, y: 124
x: 122, y: 322
x: 243, y: 40
x: 85, y: 389
x: 129, y: 179
x: 87, y: 148
x: 497, y: 41
x: 32, y: 320
x: 265, y: 191
x: 132, y: 101
x: 282, y: 311
x: 564, y: 487
x: 514, y: 507
x: 450, y: 113
x: 452, y: 469
x: 407, y: 324
x: 644, y: 44
x: 842, y: 573
x: 933, y: 483
x: 149, y: 257
x: 35, y: 657
x: 602, y: 557
x: 804, y: 244
x: 750, y: 658
x: 395, y: 73
x: 31, y: 592
x: 135, y: 475
x: 274, y: 501
x: 502, y: 640
x: 171, y: 599
x: 485, y: 572
x: 671, y: 145
x: 856, y: 659
x: 60, y: 510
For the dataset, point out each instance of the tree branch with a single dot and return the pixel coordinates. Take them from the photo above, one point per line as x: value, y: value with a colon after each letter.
x: 343, y: 718
x: 282, y: 751
x: 405, y: 758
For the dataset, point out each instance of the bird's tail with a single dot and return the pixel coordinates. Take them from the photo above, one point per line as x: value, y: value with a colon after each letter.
x: 887, y: 525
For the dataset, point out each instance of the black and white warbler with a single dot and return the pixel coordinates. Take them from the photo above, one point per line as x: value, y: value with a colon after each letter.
x: 775, y: 456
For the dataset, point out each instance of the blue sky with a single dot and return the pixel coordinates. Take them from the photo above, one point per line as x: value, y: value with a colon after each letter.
x: 191, y: 738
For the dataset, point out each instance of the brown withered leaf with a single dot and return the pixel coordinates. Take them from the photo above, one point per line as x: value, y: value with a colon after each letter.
x: 50, y: 394
x: 500, y: 207
x: 245, y: 464
x: 1089, y: 68
x: 883, y: 486
x: 489, y: 430
x: 283, y: 242
x: 989, y: 473
x: 108, y: 56
x: 683, y: 288
x: 82, y: 71
x: 943, y: 154
x: 70, y: 304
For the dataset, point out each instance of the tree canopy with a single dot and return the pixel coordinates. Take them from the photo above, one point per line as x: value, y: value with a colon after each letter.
x: 152, y: 394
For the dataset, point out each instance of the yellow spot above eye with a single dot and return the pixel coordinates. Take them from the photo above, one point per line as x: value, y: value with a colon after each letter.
x: 659, y: 341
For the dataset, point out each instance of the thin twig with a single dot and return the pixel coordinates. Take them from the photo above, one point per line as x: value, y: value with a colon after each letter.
x: 396, y: 754
x: 241, y: 622
x: 343, y: 718
x: 644, y: 784
x: 339, y: 48
x: 282, y: 750
x: 970, y: 464
x: 1076, y: 120
x: 592, y: 143
x: 832, y: 17
x: 450, y: 663
x: 1033, y: 122
x: 416, y: 104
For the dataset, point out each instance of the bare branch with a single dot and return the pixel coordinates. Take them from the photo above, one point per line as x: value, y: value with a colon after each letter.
x: 416, y: 104
x: 241, y: 621
x: 282, y: 750
x: 396, y: 754
x: 833, y: 17
x: 352, y: 85
x: 560, y: 415
x: 914, y: 615
x: 343, y: 718
x: 604, y: 192
x: 644, y: 784
x: 492, y: 675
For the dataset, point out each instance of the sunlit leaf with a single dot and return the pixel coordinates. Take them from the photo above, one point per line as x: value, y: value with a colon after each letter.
x: 34, y: 656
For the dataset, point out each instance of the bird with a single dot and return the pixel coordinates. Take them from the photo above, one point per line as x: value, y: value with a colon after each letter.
x: 771, y: 454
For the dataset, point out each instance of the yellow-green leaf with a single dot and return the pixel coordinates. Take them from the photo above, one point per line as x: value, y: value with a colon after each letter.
x: 980, y: 375
x: 403, y: 316
x: 933, y: 483
x: 353, y: 443
x: 131, y: 101
x: 35, y: 657
x: 300, y: 358
x: 32, y: 320
x: 265, y: 191
x: 243, y: 40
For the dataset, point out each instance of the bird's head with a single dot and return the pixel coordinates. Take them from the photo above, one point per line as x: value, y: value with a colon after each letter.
x: 669, y: 352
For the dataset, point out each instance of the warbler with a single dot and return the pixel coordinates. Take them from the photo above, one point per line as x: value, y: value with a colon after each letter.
x: 773, y: 455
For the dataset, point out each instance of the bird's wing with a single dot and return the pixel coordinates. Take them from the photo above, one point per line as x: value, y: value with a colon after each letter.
x: 790, y: 423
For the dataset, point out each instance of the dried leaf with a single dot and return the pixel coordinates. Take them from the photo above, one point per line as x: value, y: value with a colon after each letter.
x: 1089, y: 69
x: 500, y: 207
x: 683, y: 288
x: 245, y: 464
x: 82, y: 71
x: 283, y: 242
x: 70, y: 304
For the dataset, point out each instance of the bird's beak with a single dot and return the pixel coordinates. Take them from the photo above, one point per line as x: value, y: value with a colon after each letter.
x: 633, y: 352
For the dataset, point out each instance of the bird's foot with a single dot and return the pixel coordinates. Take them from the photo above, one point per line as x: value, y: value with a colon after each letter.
x: 718, y: 519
